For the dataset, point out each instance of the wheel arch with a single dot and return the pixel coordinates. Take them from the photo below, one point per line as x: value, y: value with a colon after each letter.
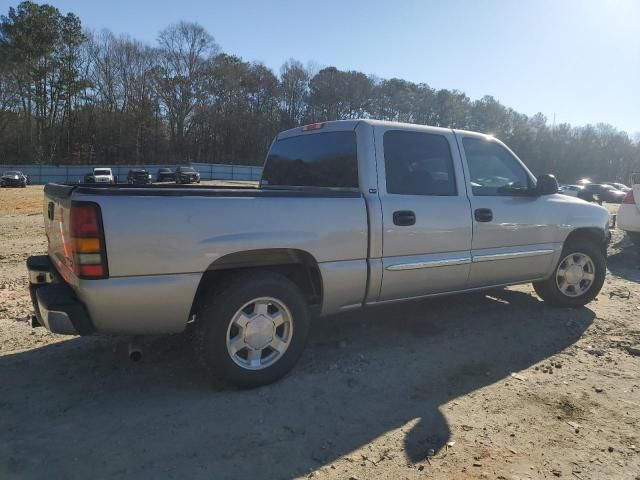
x: 299, y: 266
x: 591, y: 234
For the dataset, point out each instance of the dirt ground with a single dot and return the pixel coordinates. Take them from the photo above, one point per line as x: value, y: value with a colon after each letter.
x: 494, y: 385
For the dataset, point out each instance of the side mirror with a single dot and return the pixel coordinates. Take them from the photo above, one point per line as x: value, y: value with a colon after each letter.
x: 546, y: 185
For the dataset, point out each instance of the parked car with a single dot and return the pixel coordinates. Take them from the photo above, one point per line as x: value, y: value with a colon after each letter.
x: 629, y: 212
x: 187, y: 175
x: 571, y: 190
x: 348, y: 214
x: 139, y: 176
x: 13, y: 178
x: 103, y: 175
x: 619, y: 186
x: 601, y: 192
x: 166, y: 175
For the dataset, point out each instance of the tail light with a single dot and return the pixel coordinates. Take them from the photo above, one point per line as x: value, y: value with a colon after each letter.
x: 629, y: 198
x: 87, y: 241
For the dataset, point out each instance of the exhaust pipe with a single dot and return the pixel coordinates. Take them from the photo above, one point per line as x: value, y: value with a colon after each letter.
x: 135, y: 349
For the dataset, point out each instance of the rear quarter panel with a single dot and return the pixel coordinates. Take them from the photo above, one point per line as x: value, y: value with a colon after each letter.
x: 164, y: 235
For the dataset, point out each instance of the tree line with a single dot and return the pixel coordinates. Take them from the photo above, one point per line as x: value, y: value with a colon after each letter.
x: 68, y: 95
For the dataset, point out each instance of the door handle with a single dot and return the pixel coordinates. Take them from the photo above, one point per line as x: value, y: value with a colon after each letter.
x: 404, y: 218
x: 483, y: 214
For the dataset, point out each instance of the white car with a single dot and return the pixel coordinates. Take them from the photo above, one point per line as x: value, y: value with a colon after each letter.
x: 102, y: 175
x: 629, y: 213
x: 571, y: 190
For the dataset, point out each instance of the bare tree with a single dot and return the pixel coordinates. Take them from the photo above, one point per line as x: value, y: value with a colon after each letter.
x: 294, y: 84
x: 185, y: 50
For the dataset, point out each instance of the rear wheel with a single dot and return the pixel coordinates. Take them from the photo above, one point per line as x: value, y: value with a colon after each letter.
x: 578, y: 276
x: 252, y: 331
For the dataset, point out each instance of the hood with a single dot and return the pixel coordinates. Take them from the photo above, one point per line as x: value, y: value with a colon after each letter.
x: 11, y: 177
x: 581, y: 212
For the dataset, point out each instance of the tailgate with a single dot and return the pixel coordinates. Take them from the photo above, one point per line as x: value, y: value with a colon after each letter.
x: 57, y: 209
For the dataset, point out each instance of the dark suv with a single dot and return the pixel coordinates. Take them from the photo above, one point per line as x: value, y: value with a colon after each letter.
x: 187, y: 175
x: 166, y: 175
x: 13, y: 179
x: 601, y: 193
x: 139, y: 176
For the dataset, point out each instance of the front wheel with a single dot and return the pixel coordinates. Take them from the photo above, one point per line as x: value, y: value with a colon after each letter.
x: 252, y: 331
x: 578, y: 276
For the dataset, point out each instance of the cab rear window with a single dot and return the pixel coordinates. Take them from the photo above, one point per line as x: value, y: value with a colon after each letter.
x: 313, y: 160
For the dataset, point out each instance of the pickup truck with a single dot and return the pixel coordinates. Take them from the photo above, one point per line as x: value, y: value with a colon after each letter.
x: 348, y: 214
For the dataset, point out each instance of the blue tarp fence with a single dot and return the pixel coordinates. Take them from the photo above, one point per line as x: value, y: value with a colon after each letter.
x: 41, y: 174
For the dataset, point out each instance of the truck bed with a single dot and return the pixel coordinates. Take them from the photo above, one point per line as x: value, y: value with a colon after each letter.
x: 160, y: 239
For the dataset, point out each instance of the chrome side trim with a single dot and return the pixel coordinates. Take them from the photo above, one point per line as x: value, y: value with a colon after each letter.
x: 508, y: 256
x: 453, y: 292
x: 431, y: 264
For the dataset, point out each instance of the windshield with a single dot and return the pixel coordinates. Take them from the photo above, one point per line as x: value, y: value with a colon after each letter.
x: 101, y: 171
x: 187, y: 170
x: 12, y: 173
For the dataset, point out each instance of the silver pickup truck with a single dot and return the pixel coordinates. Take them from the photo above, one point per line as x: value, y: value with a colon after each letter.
x: 348, y: 214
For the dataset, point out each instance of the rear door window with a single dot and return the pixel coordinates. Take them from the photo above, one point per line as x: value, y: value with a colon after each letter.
x: 418, y: 163
x: 313, y: 160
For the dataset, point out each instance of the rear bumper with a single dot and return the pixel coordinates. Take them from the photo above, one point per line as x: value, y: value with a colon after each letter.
x: 139, y: 180
x: 11, y: 182
x: 54, y: 301
x: 628, y: 218
x: 189, y: 179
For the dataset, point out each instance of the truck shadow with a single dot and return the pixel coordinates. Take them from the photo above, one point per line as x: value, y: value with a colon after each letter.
x: 624, y: 260
x: 79, y: 409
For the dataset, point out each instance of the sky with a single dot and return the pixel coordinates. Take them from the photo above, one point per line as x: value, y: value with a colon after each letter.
x: 575, y: 60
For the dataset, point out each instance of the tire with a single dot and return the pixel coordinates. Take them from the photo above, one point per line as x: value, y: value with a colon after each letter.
x: 549, y: 290
x: 239, y: 299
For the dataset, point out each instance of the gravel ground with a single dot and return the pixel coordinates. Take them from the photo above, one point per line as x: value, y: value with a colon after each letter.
x: 494, y: 385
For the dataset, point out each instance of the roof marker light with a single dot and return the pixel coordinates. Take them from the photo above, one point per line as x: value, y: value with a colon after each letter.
x: 313, y: 126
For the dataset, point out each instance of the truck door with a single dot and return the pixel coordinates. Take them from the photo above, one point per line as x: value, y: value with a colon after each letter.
x: 513, y: 231
x: 425, y: 212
